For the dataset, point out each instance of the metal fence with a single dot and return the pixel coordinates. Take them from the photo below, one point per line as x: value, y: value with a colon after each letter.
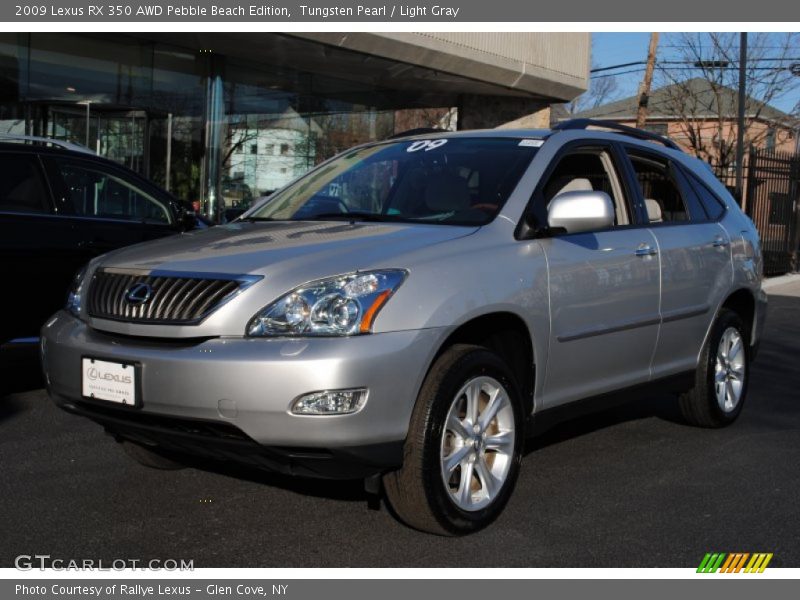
x: 772, y: 200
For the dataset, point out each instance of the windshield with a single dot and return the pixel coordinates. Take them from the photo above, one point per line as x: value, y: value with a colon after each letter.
x: 454, y: 181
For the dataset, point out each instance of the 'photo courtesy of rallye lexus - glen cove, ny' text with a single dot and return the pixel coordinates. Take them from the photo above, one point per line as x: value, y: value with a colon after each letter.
x: 404, y: 312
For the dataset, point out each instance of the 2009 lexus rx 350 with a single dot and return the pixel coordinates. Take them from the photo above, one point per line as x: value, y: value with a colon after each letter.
x: 407, y: 309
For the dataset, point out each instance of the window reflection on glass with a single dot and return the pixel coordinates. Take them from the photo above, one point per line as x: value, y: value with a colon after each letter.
x: 93, y: 193
x: 21, y: 187
x: 148, y: 105
x: 456, y: 181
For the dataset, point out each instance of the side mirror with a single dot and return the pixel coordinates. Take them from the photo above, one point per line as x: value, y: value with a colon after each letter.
x: 580, y: 211
x: 188, y: 220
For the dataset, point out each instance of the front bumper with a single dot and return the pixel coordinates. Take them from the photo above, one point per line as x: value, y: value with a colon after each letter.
x: 230, y: 397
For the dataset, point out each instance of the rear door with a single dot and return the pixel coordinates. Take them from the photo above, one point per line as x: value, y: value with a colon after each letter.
x: 604, y: 286
x: 695, y: 259
x: 39, y: 251
x: 110, y: 208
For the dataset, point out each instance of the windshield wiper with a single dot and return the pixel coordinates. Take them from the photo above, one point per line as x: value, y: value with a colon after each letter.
x: 254, y: 219
x: 349, y: 216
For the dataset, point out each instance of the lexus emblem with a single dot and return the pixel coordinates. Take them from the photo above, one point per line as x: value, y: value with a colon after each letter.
x: 138, y: 293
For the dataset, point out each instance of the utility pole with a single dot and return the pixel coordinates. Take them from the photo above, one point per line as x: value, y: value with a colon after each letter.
x: 740, y: 118
x: 644, y: 92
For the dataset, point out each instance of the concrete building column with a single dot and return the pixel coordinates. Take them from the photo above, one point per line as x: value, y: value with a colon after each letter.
x: 489, y: 112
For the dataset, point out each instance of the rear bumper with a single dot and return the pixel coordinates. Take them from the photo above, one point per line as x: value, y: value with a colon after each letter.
x: 230, y: 398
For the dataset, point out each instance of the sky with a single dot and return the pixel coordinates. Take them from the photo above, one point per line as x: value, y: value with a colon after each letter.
x: 610, y: 49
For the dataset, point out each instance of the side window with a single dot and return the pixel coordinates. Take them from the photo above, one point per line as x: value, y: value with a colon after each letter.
x: 96, y: 193
x: 588, y: 170
x: 662, y: 196
x: 713, y: 206
x: 21, y: 185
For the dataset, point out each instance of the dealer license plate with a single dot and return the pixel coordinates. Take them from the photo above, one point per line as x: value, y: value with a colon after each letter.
x: 109, y: 381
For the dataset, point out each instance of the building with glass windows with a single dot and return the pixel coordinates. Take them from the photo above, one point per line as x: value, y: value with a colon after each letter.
x: 222, y: 118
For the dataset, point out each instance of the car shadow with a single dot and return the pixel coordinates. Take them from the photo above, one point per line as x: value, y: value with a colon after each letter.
x: 9, y: 406
x: 624, y: 408
x: 611, y: 410
x: 20, y: 374
x: 348, y: 490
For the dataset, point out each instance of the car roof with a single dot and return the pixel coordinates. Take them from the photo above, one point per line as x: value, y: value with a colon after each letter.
x: 567, y: 134
x: 479, y: 133
x: 43, y: 147
x: 653, y: 143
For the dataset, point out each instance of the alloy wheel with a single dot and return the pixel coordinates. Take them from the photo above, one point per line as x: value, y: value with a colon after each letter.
x: 477, y: 445
x: 729, y: 370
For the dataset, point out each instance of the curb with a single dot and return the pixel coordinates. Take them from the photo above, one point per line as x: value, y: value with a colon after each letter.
x: 773, y: 282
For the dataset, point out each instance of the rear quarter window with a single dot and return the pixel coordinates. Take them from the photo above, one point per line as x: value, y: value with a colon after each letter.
x: 712, y: 204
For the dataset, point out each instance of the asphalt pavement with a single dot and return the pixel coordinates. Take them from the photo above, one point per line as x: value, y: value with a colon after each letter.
x: 628, y: 487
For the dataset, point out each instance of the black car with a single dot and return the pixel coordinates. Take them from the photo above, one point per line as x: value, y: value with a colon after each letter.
x: 60, y: 206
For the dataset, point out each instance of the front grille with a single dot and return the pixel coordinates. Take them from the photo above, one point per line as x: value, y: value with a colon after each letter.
x: 168, y: 299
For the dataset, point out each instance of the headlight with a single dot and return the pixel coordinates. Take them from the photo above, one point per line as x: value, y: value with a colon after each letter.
x: 343, y: 305
x: 75, y: 292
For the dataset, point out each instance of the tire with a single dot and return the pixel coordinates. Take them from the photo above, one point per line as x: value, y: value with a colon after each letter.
x: 702, y: 405
x: 152, y: 458
x: 440, y: 429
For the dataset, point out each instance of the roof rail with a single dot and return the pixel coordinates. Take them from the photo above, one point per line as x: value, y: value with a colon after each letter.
x: 11, y: 137
x: 616, y: 127
x: 417, y: 131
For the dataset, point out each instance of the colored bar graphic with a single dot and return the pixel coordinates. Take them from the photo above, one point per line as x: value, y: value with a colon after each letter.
x: 749, y: 567
x: 703, y: 563
x: 719, y: 562
x: 765, y: 563
x: 722, y: 562
x: 742, y: 560
x: 726, y: 566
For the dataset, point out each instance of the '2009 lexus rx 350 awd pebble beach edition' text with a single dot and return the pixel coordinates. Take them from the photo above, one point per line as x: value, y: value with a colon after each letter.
x: 406, y: 310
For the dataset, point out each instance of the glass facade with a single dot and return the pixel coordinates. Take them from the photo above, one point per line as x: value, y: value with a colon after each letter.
x: 214, y: 129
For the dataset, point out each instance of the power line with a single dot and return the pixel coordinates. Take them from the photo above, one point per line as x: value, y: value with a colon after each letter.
x: 639, y: 70
x: 692, y: 62
x: 630, y: 64
x: 688, y: 68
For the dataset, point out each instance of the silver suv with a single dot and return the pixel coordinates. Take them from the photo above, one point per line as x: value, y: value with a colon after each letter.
x: 404, y: 312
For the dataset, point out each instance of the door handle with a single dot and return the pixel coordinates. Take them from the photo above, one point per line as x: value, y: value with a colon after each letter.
x: 720, y: 242
x: 645, y: 250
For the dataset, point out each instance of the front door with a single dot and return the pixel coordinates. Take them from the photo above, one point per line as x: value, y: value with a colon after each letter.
x: 604, y: 289
x: 39, y: 249
x: 109, y: 206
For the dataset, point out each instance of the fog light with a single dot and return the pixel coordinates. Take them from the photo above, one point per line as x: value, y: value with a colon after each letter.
x: 330, y: 402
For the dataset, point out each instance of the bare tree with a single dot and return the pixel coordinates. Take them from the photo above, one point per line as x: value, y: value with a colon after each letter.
x: 238, y: 134
x: 602, y: 89
x: 413, y: 118
x: 701, y: 94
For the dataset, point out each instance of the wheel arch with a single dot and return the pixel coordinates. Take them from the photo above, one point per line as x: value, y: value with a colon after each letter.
x: 507, y: 334
x: 743, y: 303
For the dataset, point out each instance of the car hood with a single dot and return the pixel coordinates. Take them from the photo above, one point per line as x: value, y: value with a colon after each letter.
x: 262, y: 248
x: 281, y: 255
